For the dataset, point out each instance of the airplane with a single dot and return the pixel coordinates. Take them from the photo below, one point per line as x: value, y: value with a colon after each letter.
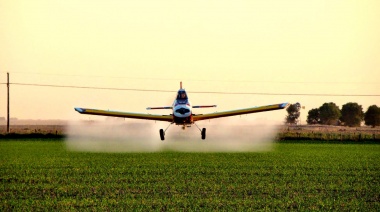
x: 182, y: 113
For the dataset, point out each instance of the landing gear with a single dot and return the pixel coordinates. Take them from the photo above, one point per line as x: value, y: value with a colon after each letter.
x: 162, y: 134
x: 203, y: 133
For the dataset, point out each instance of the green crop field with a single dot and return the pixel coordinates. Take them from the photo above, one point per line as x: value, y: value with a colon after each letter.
x: 43, y: 175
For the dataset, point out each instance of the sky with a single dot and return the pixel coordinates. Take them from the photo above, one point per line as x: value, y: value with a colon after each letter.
x: 275, y: 48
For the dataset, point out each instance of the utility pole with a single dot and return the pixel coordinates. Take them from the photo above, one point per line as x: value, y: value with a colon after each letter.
x: 8, y: 131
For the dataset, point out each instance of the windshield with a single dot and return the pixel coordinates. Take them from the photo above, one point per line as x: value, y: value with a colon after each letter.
x: 182, y: 95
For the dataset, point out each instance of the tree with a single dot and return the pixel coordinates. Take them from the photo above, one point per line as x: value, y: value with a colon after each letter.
x: 372, y: 116
x: 352, y: 114
x: 329, y: 113
x: 313, y: 116
x: 293, y: 113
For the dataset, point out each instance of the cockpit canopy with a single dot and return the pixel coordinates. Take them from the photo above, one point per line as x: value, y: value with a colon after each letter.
x: 182, y: 97
x: 181, y: 94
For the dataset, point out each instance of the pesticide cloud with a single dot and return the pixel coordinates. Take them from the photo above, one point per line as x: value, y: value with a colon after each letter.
x: 143, y: 136
x: 233, y: 135
x: 111, y: 136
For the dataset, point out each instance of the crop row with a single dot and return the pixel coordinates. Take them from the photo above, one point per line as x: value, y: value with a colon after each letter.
x: 45, y: 176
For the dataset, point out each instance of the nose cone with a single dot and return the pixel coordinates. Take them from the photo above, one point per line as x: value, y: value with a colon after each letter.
x: 182, y: 111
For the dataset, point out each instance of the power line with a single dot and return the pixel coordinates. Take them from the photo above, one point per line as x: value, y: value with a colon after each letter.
x: 88, y: 87
x: 193, y: 80
x: 201, y: 92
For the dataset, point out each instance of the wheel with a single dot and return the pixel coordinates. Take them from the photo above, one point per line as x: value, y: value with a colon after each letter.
x: 162, y: 134
x: 203, y: 133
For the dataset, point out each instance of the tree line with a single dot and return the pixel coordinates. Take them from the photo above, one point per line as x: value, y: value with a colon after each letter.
x: 351, y: 115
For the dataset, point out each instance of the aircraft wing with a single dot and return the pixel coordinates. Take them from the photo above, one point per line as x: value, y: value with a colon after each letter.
x: 200, y: 117
x: 168, y: 118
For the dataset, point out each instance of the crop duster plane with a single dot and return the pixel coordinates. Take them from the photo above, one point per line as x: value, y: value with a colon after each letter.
x: 182, y: 113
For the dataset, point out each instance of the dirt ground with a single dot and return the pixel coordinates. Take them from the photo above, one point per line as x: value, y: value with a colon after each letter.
x: 330, y: 129
x: 58, y: 127
x: 27, y: 129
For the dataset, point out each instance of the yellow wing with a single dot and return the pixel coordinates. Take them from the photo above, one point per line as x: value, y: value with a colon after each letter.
x: 168, y: 118
x: 200, y: 117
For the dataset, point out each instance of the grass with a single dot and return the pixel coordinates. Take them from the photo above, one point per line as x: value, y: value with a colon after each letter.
x: 43, y: 175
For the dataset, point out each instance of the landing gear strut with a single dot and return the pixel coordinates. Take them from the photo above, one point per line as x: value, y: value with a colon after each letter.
x: 203, y: 132
x: 162, y: 132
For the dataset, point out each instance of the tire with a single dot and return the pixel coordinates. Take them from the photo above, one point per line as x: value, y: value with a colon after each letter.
x: 162, y: 134
x: 203, y: 133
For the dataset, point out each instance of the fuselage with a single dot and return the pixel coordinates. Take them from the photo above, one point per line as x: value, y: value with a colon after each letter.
x: 182, y: 113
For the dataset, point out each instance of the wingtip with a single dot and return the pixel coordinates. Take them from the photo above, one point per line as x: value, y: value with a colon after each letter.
x: 284, y: 105
x: 80, y: 110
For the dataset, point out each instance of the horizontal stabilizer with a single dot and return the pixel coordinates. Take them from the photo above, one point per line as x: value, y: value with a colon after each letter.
x: 203, y: 106
x: 155, y: 108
